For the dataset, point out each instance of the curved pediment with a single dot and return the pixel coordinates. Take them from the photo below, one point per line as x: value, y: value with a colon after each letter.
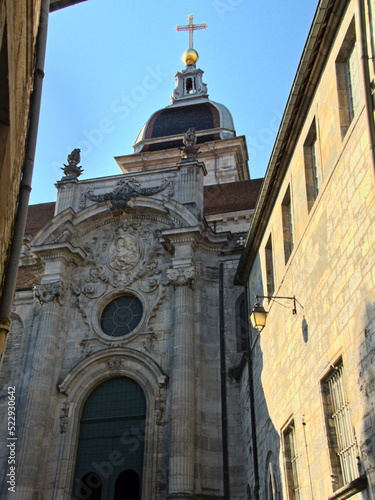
x: 114, y: 362
x: 68, y: 225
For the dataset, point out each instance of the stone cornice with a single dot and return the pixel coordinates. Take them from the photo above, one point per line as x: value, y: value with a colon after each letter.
x: 140, y: 163
x: 193, y: 163
x: 60, y: 251
x: 197, y: 236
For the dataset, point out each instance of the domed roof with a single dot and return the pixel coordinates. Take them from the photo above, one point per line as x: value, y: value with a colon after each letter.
x: 166, y: 127
x: 190, y: 108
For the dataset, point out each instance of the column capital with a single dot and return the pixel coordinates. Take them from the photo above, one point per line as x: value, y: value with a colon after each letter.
x: 181, y: 276
x: 50, y: 292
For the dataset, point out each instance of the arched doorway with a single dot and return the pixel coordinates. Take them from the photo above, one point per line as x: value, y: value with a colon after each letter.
x: 127, y: 486
x: 111, y: 442
x: 89, y: 487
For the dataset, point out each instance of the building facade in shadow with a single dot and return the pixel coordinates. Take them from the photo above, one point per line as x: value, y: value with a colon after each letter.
x: 309, y: 255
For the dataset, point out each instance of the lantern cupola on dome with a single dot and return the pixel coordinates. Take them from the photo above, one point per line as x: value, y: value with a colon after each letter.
x: 190, y: 107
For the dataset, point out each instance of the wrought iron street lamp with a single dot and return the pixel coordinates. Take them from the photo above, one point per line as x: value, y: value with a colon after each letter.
x: 258, y: 314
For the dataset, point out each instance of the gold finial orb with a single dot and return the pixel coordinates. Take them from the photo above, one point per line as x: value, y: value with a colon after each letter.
x: 190, y: 56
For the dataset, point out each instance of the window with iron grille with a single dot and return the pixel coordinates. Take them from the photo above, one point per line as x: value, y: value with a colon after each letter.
x: 340, y: 431
x: 290, y: 458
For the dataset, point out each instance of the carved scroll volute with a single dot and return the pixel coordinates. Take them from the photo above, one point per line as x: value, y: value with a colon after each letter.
x: 181, y: 276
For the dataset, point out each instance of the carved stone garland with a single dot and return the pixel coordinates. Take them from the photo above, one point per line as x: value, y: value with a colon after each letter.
x: 127, y: 189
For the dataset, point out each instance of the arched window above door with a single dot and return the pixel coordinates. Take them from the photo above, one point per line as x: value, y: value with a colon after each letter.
x: 111, y: 440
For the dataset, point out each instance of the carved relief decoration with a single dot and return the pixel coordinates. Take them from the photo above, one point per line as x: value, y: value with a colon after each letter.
x: 64, y: 416
x: 123, y: 255
x: 114, y: 364
x: 87, y: 348
x: 127, y: 189
x: 159, y: 412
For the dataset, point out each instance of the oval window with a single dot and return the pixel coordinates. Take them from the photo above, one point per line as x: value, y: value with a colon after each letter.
x: 121, y: 316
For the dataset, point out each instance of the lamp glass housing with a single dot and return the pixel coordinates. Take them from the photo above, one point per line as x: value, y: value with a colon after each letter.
x: 258, y: 317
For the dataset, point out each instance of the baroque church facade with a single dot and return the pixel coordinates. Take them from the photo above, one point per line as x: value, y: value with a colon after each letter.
x: 126, y: 319
x: 131, y: 364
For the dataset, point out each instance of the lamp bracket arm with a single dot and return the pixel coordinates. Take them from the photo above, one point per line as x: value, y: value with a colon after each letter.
x: 273, y: 297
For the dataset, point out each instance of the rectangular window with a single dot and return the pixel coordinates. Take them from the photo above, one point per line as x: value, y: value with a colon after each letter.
x: 347, y: 76
x: 340, y: 432
x: 352, y: 82
x: 312, y: 168
x: 269, y: 267
x: 241, y: 330
x: 290, y: 457
x: 286, y: 210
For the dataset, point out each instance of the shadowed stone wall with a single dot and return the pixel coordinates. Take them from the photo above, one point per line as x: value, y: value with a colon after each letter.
x: 331, y: 273
x: 18, y: 29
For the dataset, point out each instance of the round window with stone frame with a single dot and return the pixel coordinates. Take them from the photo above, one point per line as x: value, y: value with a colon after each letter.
x: 121, y: 316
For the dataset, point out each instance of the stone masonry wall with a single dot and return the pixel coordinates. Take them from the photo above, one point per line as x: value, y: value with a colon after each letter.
x: 18, y: 25
x: 331, y: 272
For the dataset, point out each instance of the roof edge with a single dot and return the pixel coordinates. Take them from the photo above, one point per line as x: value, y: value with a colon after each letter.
x: 327, y: 17
x: 61, y: 4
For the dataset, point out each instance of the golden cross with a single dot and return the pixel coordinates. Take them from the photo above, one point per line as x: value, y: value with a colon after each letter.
x: 190, y: 28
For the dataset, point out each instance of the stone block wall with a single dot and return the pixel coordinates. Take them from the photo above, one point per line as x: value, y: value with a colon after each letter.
x: 18, y: 30
x: 331, y: 273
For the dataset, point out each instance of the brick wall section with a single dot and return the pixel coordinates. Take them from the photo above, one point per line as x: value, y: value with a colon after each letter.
x: 230, y: 197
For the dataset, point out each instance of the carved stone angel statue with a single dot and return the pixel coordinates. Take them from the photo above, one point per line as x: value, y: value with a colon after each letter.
x: 72, y: 169
x: 189, y: 151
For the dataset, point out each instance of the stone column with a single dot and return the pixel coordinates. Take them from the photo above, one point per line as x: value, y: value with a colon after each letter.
x: 40, y: 390
x: 181, y: 460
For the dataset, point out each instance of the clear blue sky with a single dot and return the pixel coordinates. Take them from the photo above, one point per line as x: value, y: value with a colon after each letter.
x: 111, y: 63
